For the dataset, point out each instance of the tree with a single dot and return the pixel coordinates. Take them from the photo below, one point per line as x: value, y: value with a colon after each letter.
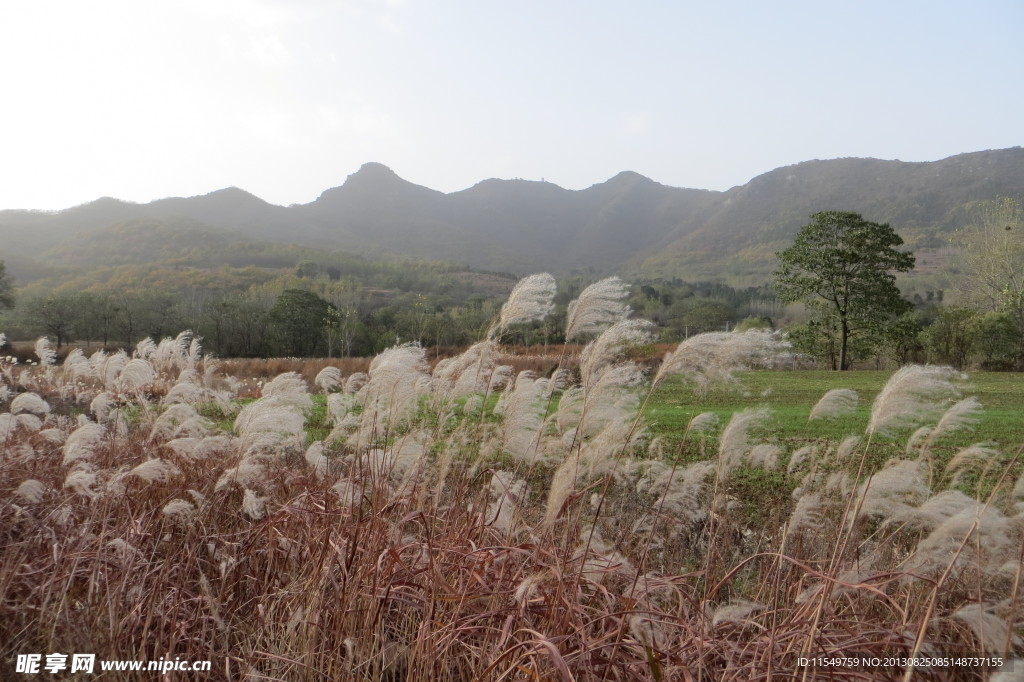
x: 6, y: 288
x: 993, y: 262
x: 298, y: 316
x: 841, y: 266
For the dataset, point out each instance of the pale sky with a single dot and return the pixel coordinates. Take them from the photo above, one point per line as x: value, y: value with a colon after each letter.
x: 140, y: 100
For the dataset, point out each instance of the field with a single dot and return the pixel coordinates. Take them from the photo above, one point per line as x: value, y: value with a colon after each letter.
x: 460, y: 520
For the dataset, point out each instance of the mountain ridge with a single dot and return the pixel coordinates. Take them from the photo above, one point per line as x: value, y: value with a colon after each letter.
x: 628, y: 224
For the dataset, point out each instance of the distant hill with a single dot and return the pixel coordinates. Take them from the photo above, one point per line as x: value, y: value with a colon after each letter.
x: 628, y: 224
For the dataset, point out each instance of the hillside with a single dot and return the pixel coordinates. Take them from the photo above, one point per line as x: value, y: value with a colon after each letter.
x: 628, y: 224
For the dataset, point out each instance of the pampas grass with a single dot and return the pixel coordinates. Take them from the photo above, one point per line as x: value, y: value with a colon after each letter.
x: 537, y: 534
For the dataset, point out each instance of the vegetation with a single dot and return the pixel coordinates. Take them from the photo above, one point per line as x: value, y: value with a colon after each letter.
x: 841, y: 267
x: 463, y: 522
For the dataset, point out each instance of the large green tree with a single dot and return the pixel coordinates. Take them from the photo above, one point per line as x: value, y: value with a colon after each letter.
x: 841, y: 267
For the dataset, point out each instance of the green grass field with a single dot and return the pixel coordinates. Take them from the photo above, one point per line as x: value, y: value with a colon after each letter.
x: 791, y: 394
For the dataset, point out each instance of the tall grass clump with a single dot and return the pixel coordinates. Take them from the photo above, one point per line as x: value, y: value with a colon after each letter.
x: 465, y: 521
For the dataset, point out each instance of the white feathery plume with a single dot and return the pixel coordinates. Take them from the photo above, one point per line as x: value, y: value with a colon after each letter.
x: 328, y: 379
x: 249, y: 470
x: 898, y: 487
x: 838, y: 402
x: 980, y: 457
x: 989, y: 533
x: 508, y: 492
x: 600, y: 353
x: 45, y: 352
x: 31, y: 491
x: 101, y: 406
x: 82, y: 442
x: 799, y: 456
x: 914, y: 394
x: 935, y: 511
x: 598, y: 307
x: 703, y: 423
x: 531, y: 299
x: 806, y: 516
x: 734, y: 443
x: 81, y: 481
x: 393, y: 391
x: 960, y: 415
x: 135, y: 374
x: 179, y: 508
x: 253, y: 506
x: 466, y: 373
x: 289, y: 387
x: 991, y: 631
x: 192, y: 448
x: 145, y: 348
x: 111, y: 369
x: 31, y: 403
x: 355, y: 382
x: 179, y: 420
x: 523, y: 410
x: 706, y: 358
x: 77, y: 365
x: 735, y: 613
x: 764, y: 456
x: 316, y: 459
x: 155, y: 470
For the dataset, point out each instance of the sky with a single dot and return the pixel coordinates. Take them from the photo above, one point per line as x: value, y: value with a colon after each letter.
x: 139, y: 100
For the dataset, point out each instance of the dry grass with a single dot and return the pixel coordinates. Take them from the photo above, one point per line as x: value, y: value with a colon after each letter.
x: 531, y: 539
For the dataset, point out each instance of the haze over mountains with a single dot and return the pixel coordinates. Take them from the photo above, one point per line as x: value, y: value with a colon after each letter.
x: 628, y: 224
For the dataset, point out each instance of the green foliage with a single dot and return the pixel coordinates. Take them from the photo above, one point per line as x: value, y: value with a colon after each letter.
x: 6, y: 288
x: 297, y: 320
x: 840, y: 266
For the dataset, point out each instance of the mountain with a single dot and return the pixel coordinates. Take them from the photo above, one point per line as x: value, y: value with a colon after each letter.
x: 628, y: 224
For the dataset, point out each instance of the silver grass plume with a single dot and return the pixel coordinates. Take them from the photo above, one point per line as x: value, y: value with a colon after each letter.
x: 81, y: 482
x: 290, y: 388
x: 31, y: 491
x: 838, y: 402
x: 145, y: 349
x: 735, y: 613
x: 77, y: 366
x: 30, y: 403
x: 155, y: 470
x: 799, y: 456
x: 603, y: 351
x: 598, y: 307
x: 177, y: 421
x: 249, y: 470
x: 980, y: 457
x: 135, y: 374
x: 734, y: 443
x: 82, y: 442
x: 508, y: 492
x: 991, y: 631
x: 987, y: 530
x: 328, y: 379
x: 111, y: 369
x: 393, y: 390
x: 45, y: 352
x: 914, y: 394
x: 960, y: 415
x: 898, y: 487
x: 316, y: 459
x: 523, y: 410
x: 531, y: 299
x: 179, y: 509
x: 467, y: 373
x: 707, y: 358
x: 254, y: 506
